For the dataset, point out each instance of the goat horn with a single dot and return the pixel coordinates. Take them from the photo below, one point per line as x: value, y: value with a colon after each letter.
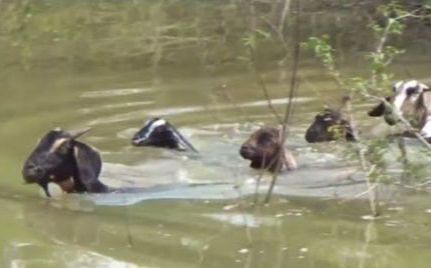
x: 77, y: 133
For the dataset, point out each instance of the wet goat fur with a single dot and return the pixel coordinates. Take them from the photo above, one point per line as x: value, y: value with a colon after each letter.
x: 59, y: 158
x: 329, y: 125
x: 263, y: 149
x: 158, y: 132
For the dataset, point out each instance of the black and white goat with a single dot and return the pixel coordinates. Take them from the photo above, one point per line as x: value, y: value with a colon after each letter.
x: 158, y: 132
x: 410, y: 100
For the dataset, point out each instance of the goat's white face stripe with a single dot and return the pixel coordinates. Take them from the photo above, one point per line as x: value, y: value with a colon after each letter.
x: 153, y: 126
x: 57, y: 144
x: 399, y: 101
x: 400, y: 96
x: 401, y: 86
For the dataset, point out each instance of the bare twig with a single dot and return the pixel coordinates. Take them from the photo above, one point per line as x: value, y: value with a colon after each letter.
x: 274, y: 161
x: 129, y: 236
x: 257, y: 74
x: 289, y: 106
x: 403, y: 150
x: 267, y: 97
x: 281, y: 24
x: 372, y: 194
x: 258, y: 180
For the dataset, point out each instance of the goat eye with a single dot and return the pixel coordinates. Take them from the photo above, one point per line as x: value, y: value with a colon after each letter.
x: 158, y: 130
x: 265, y: 142
x: 411, y: 90
x: 64, y: 149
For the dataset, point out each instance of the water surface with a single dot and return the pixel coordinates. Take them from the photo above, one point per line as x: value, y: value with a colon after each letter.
x: 196, y: 210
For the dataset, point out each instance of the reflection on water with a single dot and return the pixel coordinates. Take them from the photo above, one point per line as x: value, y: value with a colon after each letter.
x: 33, y: 255
x: 114, y: 92
x: 291, y: 232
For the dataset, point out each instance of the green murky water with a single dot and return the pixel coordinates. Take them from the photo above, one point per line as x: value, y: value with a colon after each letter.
x: 89, y: 77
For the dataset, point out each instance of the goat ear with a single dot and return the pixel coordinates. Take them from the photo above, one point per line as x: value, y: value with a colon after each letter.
x: 425, y: 87
x: 89, y: 164
x: 378, y: 110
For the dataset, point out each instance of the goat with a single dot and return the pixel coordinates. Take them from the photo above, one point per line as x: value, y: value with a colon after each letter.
x: 158, y: 132
x: 59, y: 158
x: 412, y: 101
x: 265, y: 151
x: 328, y: 126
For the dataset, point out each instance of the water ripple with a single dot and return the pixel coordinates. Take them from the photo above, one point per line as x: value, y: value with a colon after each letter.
x: 184, y: 110
x: 114, y: 92
x: 115, y: 106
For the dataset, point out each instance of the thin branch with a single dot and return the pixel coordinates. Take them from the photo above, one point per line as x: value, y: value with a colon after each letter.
x: 264, y: 89
x: 267, y: 97
x: 372, y: 194
x: 258, y: 180
x: 289, y: 107
x: 286, y: 6
x: 253, y: 60
x: 365, y: 192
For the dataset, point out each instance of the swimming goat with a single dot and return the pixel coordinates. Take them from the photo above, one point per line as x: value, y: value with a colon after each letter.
x: 329, y: 125
x: 264, y: 149
x: 410, y: 100
x: 158, y: 132
x: 59, y: 158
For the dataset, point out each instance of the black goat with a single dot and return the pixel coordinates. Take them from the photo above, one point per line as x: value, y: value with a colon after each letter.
x: 59, y: 158
x: 328, y: 126
x: 158, y: 132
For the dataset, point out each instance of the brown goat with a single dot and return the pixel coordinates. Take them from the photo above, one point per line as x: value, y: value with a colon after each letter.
x: 265, y: 151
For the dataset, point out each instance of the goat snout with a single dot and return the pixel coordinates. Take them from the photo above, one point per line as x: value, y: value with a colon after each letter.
x: 138, y: 141
x: 32, y: 172
x: 246, y: 151
x: 315, y: 134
